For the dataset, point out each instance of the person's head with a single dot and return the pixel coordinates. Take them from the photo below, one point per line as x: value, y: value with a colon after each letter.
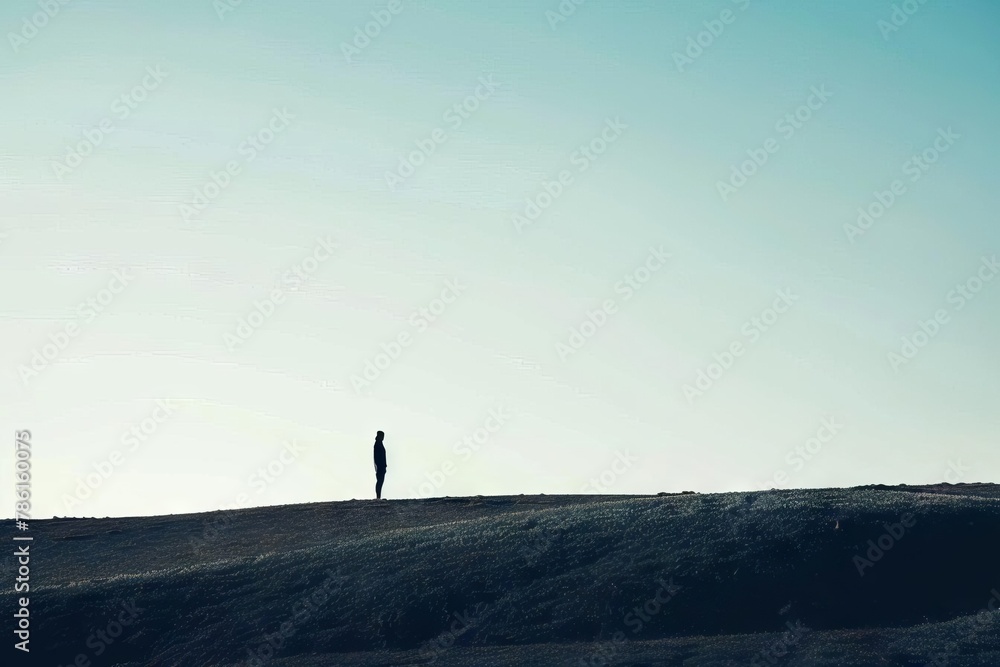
x: 379, y: 436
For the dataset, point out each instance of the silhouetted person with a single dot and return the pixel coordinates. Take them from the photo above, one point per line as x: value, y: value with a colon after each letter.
x: 380, y: 467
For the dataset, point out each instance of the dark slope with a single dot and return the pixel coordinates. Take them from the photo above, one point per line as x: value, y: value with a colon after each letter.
x: 543, y: 580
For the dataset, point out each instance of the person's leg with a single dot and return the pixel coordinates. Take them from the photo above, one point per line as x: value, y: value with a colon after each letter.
x: 379, y: 479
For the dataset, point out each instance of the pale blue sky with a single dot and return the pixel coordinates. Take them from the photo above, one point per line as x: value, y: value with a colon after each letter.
x: 557, y: 87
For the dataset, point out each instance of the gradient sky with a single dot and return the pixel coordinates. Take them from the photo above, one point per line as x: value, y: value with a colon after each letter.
x: 494, y: 347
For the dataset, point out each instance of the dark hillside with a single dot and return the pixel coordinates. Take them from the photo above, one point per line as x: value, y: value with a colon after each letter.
x: 866, y: 576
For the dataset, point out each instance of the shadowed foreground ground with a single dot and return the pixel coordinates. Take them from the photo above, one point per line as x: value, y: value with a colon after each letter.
x: 781, y: 577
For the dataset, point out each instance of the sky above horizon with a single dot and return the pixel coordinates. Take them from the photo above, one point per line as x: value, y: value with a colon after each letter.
x: 261, y: 235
